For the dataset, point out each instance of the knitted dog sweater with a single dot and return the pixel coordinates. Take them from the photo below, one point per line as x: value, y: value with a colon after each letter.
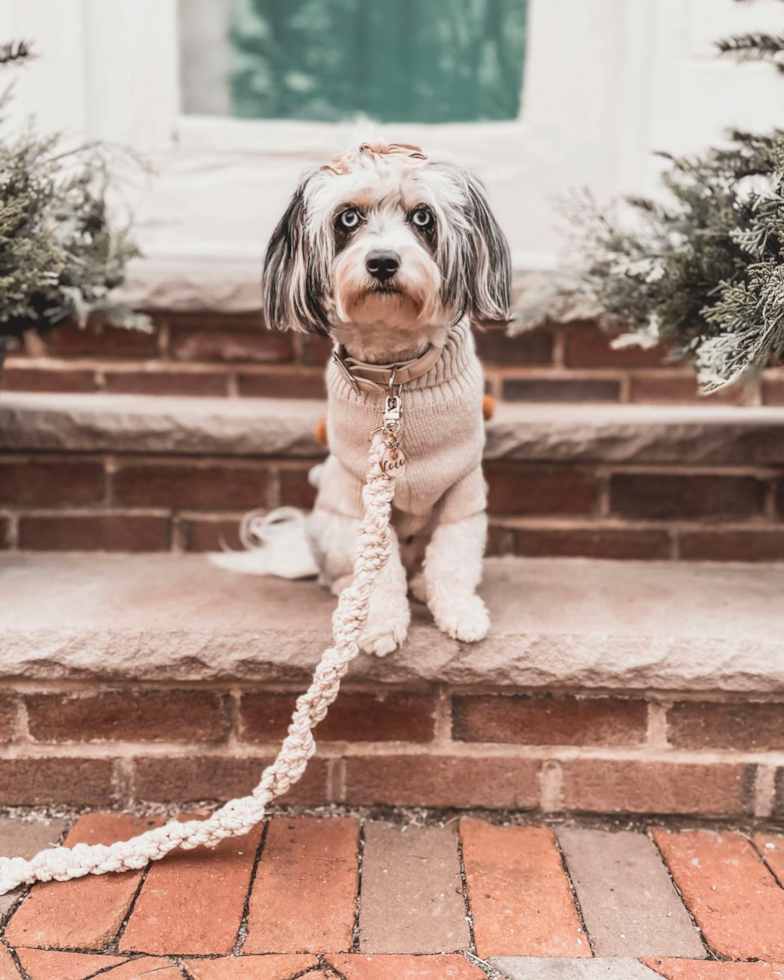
x: 442, y: 435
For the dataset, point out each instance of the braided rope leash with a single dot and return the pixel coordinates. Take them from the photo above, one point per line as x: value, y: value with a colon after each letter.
x: 239, y: 816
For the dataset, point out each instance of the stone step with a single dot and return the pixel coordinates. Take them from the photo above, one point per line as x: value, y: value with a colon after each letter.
x: 560, y: 623
x: 700, y: 435
x: 119, y: 473
x: 603, y: 687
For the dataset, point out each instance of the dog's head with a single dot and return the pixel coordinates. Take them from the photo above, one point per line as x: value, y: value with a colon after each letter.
x: 382, y: 235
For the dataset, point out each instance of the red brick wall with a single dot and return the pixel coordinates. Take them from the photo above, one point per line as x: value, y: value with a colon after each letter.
x: 218, y: 355
x: 710, y: 755
x: 153, y: 503
x: 112, y: 502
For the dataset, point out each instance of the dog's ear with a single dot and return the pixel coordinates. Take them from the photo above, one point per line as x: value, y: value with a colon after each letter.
x: 292, y: 289
x: 490, y: 267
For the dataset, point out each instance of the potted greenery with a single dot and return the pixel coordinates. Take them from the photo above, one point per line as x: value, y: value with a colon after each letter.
x: 61, y: 252
x: 700, y: 271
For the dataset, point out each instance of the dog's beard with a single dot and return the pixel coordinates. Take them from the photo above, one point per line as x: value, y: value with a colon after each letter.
x: 388, y: 307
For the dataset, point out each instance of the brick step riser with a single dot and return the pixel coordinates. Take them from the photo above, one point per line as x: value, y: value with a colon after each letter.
x: 153, y: 503
x: 695, y: 755
x: 233, y: 355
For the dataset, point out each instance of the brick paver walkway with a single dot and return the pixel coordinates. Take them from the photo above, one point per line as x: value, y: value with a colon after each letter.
x: 346, y: 898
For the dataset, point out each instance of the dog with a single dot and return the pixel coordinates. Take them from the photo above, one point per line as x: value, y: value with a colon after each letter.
x: 392, y: 254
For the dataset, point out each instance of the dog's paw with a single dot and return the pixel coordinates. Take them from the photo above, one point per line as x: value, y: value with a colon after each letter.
x: 386, y: 628
x: 418, y: 587
x: 383, y: 638
x: 464, y: 618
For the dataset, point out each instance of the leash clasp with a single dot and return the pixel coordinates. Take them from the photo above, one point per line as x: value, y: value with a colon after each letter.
x: 393, y: 409
x: 393, y: 406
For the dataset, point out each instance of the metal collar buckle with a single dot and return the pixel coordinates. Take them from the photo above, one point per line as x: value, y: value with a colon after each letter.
x: 346, y: 373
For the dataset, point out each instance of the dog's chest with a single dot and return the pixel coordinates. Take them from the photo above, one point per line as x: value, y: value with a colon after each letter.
x: 442, y: 435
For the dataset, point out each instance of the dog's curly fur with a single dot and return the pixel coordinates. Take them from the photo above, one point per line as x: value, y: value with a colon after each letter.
x: 451, y: 261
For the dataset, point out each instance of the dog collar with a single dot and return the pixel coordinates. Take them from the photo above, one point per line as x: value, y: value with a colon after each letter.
x: 378, y: 377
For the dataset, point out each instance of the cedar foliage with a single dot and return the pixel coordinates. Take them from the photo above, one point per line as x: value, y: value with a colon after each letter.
x: 61, y: 252
x: 702, y: 269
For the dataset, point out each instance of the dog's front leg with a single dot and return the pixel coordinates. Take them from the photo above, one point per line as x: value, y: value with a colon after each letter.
x: 389, y: 613
x: 452, y: 571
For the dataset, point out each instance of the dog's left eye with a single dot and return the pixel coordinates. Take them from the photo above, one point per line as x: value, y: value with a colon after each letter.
x: 349, y: 219
x: 422, y: 218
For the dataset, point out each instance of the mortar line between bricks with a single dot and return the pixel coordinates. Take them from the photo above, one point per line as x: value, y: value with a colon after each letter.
x: 708, y: 948
x: 114, y: 946
x: 602, y: 506
x: 763, y: 859
x: 164, y: 340
x: 559, y: 348
x: 750, y: 787
x: 68, y: 510
x: 384, y: 750
x: 656, y: 735
x: 13, y: 531
x: 88, y: 951
x: 11, y: 912
x: 324, y: 964
x: 21, y: 721
x: 489, y: 970
x: 242, y: 929
x: 769, y: 507
x: 336, y: 774
x: 764, y: 792
x: 122, y: 777
x: 24, y: 890
x: 273, y: 487
x: 104, y: 969
x: 233, y: 717
x: 18, y: 963
x: 573, y: 890
x: 464, y: 885
x: 100, y: 685
x: 309, y: 969
x: 524, y: 522
x: 611, y: 468
x: 177, y: 533
x: 442, y: 721
x: 110, y: 468
x: 551, y: 786
x: 356, y: 933
x: 181, y: 967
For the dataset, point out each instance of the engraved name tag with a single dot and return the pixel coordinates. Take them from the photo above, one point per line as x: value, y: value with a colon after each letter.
x: 393, y: 460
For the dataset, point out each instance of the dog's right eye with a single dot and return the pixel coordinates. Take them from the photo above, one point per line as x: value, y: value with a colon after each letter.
x: 348, y: 219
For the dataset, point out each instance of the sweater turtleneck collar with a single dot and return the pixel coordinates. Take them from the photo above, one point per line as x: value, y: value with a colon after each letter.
x: 453, y: 359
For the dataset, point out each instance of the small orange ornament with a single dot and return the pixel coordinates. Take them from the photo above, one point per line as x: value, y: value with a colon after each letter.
x: 320, y: 433
x: 488, y: 407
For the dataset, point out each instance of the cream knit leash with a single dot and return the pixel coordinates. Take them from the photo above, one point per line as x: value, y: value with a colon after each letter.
x: 239, y: 816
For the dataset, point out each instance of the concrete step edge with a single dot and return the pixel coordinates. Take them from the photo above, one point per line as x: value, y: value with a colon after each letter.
x: 557, y: 624
x: 697, y: 435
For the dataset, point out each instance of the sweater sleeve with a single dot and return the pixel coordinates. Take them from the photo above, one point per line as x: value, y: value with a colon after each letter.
x: 464, y: 499
x: 339, y: 490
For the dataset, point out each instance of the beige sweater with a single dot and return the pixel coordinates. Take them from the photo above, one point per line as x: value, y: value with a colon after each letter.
x: 442, y: 435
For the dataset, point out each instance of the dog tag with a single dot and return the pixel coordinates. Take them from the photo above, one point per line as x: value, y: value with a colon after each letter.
x: 393, y: 459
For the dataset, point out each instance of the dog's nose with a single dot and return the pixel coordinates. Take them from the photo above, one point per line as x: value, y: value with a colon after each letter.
x: 382, y: 265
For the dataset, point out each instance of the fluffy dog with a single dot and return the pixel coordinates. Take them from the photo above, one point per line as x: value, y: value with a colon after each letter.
x: 391, y: 254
